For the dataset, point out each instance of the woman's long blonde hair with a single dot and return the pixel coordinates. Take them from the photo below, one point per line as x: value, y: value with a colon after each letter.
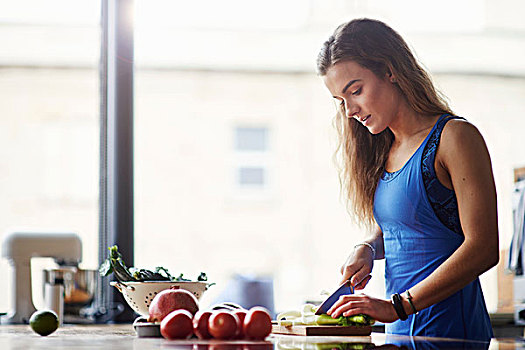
x: 361, y: 156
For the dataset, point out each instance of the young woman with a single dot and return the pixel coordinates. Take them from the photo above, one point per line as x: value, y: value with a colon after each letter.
x: 420, y: 177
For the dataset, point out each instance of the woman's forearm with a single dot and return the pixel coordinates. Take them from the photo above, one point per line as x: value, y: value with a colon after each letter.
x: 464, y: 266
x: 376, y: 240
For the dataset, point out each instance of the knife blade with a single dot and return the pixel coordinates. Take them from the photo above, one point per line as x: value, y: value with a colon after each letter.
x: 345, y: 289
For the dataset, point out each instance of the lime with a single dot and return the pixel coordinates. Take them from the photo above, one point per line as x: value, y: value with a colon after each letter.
x: 44, y: 322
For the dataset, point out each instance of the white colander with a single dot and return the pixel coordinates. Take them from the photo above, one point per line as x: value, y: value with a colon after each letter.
x: 140, y: 294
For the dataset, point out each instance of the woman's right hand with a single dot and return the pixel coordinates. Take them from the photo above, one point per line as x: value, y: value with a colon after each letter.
x: 358, y: 266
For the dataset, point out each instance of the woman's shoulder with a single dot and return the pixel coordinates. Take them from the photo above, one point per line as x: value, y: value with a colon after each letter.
x: 459, y: 135
x: 460, y: 130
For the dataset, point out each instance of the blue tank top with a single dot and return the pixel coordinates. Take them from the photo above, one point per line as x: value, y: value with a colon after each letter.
x: 416, y: 242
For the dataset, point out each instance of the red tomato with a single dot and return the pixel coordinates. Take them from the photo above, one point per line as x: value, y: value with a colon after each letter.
x: 223, y: 325
x: 200, y: 324
x: 177, y: 325
x: 258, y: 323
x: 241, y: 314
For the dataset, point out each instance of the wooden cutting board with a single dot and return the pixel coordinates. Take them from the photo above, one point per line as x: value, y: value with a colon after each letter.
x: 322, y: 330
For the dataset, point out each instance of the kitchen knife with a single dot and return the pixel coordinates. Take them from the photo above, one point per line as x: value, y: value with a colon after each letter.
x: 345, y: 289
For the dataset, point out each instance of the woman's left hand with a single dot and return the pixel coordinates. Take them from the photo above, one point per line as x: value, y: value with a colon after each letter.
x: 379, y: 309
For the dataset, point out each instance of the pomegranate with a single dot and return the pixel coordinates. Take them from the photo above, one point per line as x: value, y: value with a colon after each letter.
x: 170, y: 300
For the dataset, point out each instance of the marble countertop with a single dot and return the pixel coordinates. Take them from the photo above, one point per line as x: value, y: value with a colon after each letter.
x: 124, y: 337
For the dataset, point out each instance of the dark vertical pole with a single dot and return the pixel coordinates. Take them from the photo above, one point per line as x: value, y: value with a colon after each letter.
x: 116, y: 192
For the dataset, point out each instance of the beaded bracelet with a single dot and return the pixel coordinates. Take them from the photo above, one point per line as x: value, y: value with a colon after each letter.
x: 409, y: 298
x: 367, y: 245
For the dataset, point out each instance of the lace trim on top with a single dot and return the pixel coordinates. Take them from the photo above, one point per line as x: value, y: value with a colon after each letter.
x: 442, y: 199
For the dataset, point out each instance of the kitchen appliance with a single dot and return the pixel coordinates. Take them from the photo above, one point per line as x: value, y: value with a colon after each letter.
x: 19, y: 248
x: 54, y: 298
x: 77, y: 287
x: 345, y: 289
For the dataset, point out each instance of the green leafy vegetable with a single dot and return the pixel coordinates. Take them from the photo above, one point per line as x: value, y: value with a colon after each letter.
x: 115, y: 264
x: 202, y: 277
x: 163, y: 271
x: 181, y: 278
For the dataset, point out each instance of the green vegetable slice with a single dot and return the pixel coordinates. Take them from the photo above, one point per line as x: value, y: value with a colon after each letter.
x: 306, y: 317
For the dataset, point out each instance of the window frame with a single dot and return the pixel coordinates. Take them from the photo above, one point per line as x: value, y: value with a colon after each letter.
x: 116, y: 222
